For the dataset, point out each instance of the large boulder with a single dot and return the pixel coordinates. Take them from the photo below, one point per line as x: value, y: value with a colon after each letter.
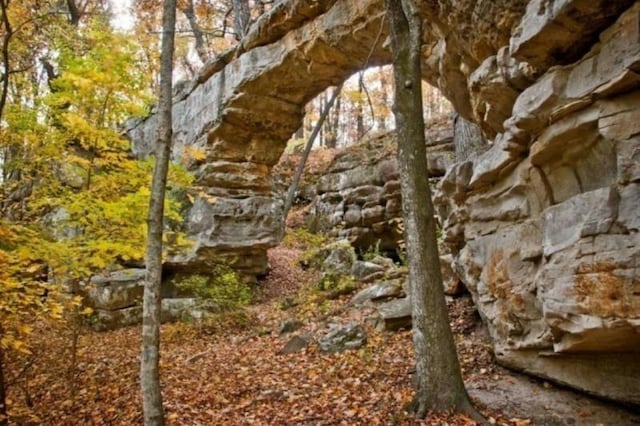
x: 393, y: 315
x: 380, y: 291
x: 114, y: 290
x: 116, y: 300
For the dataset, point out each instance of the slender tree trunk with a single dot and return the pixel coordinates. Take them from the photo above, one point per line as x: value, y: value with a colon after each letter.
x: 323, y: 106
x: 241, y: 17
x: 382, y: 117
x: 439, y: 383
x: 331, y: 138
x: 150, y: 357
x: 296, y: 177
x: 3, y: 394
x: 198, y: 34
x: 75, y: 14
x: 360, y: 112
x: 6, y: 39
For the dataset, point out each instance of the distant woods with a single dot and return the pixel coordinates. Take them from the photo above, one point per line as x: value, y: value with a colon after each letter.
x: 204, y: 28
x: 362, y: 108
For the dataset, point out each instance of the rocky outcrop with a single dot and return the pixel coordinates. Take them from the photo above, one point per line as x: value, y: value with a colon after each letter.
x: 358, y: 198
x: 232, y: 122
x: 116, y: 300
x: 544, y: 226
x: 342, y: 337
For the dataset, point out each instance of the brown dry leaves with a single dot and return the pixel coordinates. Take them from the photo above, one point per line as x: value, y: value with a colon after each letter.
x: 237, y: 377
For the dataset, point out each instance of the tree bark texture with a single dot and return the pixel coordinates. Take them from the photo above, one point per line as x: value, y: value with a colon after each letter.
x: 467, y: 139
x: 331, y: 126
x: 6, y: 39
x: 439, y: 384
x: 150, y: 357
x: 360, y: 112
x: 201, y: 46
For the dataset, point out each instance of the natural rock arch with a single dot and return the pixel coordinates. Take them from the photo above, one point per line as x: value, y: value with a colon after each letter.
x: 543, y: 226
x: 242, y: 115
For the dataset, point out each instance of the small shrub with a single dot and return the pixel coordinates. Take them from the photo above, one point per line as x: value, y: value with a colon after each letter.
x: 335, y: 282
x: 317, y: 223
x: 372, y: 252
x: 316, y: 257
x: 235, y: 320
x: 288, y: 303
x: 223, y: 287
x: 303, y: 238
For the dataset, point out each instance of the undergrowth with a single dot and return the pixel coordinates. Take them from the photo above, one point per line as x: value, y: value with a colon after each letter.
x: 222, y: 286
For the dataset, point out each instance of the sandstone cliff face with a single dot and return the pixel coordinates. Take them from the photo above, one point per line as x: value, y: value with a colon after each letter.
x: 544, y: 226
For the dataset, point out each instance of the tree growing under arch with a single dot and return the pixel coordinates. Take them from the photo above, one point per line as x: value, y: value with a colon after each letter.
x: 439, y: 384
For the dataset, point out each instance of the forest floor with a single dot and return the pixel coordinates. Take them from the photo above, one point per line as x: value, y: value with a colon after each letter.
x: 234, y: 375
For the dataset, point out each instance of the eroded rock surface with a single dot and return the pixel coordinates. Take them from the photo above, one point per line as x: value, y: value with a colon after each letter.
x: 232, y: 122
x: 544, y: 225
x: 359, y: 196
x: 116, y: 300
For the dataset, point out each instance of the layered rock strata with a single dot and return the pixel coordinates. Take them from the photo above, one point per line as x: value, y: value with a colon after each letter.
x: 359, y: 196
x: 232, y: 122
x: 116, y: 300
x: 545, y: 225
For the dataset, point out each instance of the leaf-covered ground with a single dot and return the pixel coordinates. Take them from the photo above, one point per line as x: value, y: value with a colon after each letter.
x: 236, y: 376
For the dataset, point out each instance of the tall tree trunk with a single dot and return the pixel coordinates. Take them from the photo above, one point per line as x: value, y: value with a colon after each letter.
x: 331, y: 138
x: 322, y: 107
x: 6, y: 39
x: 241, y: 17
x: 360, y: 112
x: 439, y: 383
x: 150, y: 357
x: 467, y: 139
x: 75, y: 14
x: 384, y: 97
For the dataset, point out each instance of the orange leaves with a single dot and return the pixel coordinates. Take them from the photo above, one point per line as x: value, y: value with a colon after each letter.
x: 236, y: 376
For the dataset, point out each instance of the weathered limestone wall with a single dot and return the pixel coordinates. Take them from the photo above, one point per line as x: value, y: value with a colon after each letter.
x: 545, y: 225
x: 358, y: 198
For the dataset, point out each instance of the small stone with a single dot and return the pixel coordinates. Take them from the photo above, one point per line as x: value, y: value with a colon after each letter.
x: 289, y: 326
x: 295, y: 344
x: 351, y: 336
